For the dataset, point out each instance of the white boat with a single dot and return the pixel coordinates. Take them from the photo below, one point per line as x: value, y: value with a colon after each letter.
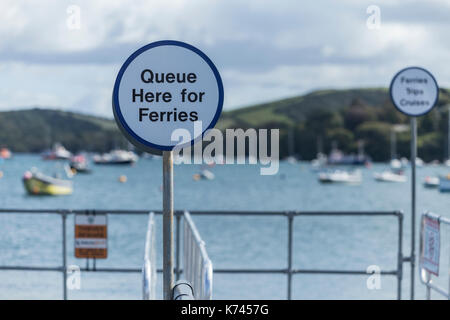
x: 116, y: 157
x: 396, y: 164
x: 419, y: 162
x: 58, y: 152
x: 404, y: 161
x: 318, y: 163
x: 291, y: 160
x: 206, y: 174
x: 389, y: 176
x: 431, y: 182
x: 340, y: 176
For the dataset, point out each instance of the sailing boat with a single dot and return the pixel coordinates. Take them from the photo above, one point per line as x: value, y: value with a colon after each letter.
x: 395, y: 173
x: 58, y: 152
x: 291, y: 158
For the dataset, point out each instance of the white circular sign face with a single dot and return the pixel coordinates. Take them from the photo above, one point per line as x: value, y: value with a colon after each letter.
x: 163, y: 87
x: 414, y: 91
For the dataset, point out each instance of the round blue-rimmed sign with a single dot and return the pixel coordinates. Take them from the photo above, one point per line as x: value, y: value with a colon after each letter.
x: 163, y: 87
x: 414, y: 91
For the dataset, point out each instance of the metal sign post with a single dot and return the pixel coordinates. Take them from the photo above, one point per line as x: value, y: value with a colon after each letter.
x: 413, y: 201
x: 414, y: 92
x: 168, y: 224
x: 165, y: 91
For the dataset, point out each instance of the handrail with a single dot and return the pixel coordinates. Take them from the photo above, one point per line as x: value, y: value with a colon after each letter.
x: 197, y: 265
x: 205, y: 212
x: 424, y: 275
x: 149, y: 267
x: 289, y: 269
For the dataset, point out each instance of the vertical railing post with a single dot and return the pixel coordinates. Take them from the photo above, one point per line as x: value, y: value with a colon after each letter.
x: 400, y: 256
x: 178, y: 253
x: 413, y: 201
x: 289, y: 262
x: 64, y: 261
x: 449, y: 275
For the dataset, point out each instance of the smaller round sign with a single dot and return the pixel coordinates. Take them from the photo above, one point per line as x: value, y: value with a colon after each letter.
x: 414, y: 91
x: 167, y: 94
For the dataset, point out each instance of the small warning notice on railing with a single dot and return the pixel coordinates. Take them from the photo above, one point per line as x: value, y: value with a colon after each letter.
x: 430, y: 245
x: 91, y: 236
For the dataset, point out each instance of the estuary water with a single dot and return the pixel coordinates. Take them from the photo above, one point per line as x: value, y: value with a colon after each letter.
x: 232, y: 242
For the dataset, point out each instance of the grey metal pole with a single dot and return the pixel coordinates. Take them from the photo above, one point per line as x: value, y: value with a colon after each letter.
x: 413, y: 201
x: 289, y: 279
x: 449, y: 282
x: 64, y: 258
x: 178, y: 253
x: 400, y: 257
x: 167, y: 224
x: 448, y: 135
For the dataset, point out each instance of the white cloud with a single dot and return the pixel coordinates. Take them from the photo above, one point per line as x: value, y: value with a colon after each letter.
x: 264, y: 49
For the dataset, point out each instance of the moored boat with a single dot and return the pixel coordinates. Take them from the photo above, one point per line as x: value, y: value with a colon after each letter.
x: 79, y: 164
x: 58, y: 152
x: 431, y: 182
x: 444, y: 183
x: 5, y: 153
x: 389, y: 176
x: 396, y: 164
x: 116, y: 157
x: 37, y: 183
x: 337, y: 157
x: 340, y: 176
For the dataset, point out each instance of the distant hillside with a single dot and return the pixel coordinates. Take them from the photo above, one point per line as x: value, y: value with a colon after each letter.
x: 344, y: 118
x: 308, y: 124
x: 35, y: 130
x: 291, y: 111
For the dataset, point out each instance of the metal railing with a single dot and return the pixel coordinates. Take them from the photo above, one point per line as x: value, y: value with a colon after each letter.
x: 288, y: 270
x: 198, y: 269
x: 149, y: 267
x: 425, y: 276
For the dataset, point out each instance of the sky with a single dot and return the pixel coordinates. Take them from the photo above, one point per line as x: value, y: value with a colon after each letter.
x: 66, y: 54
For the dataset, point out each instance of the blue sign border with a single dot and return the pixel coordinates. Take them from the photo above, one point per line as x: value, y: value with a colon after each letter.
x: 392, y: 98
x: 116, y: 106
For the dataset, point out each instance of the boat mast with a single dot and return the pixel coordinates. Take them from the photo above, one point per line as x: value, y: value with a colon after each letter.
x: 448, y: 132
x: 393, y: 143
x: 291, y: 147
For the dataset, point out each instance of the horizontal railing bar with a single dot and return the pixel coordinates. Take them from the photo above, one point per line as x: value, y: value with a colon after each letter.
x: 124, y: 270
x: 208, y: 212
x: 347, y: 213
x: 356, y: 272
x: 439, y: 218
x: 250, y: 271
x: 300, y: 271
x: 26, y: 268
x: 139, y: 270
x: 28, y: 211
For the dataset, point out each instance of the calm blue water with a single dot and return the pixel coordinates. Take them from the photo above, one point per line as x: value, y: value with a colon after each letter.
x: 235, y: 242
